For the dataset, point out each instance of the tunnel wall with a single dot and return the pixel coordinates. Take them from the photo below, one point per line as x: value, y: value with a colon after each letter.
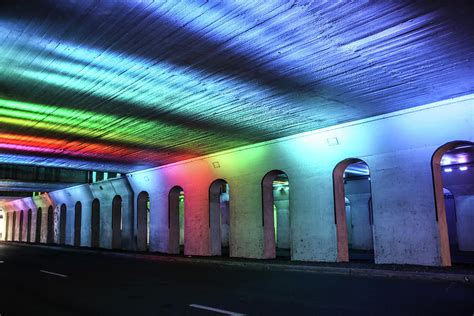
x: 397, y: 147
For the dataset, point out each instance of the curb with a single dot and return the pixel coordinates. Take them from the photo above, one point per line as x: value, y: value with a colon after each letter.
x: 467, y: 278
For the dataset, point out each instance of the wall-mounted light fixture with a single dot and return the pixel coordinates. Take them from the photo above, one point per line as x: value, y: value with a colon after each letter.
x: 333, y: 141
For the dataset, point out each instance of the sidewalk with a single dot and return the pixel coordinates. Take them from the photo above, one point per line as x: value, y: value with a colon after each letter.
x: 457, y: 273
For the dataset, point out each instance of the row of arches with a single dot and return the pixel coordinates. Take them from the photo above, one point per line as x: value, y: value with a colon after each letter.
x: 353, y: 214
x: 49, y: 232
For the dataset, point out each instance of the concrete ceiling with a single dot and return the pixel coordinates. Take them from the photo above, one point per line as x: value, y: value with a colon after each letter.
x: 126, y: 85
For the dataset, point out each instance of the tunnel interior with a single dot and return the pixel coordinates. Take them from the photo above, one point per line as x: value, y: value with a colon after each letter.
x: 457, y: 169
x: 359, y: 217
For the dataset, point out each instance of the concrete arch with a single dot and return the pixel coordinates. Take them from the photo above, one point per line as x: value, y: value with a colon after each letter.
x: 143, y: 218
x: 445, y: 251
x: 95, y: 224
x: 62, y: 224
x: 268, y: 215
x: 340, y: 219
x: 77, y: 223
x: 219, y: 218
x: 50, y: 225
x: 176, y: 220
x: 117, y: 222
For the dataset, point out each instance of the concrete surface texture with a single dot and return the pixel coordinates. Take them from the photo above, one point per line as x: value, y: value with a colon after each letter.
x: 93, y: 283
x: 398, y: 148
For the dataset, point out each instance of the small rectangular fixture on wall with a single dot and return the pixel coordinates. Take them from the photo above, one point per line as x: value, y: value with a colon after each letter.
x: 216, y: 164
x: 333, y: 141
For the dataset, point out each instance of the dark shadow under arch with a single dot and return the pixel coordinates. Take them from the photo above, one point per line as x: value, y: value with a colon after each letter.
x: 62, y: 224
x: 219, y: 218
x: 175, y: 222
x: 143, y: 212
x: 268, y: 216
x: 28, y: 225
x: 117, y: 222
x: 20, y: 229
x: 50, y: 225
x: 77, y: 223
x: 95, y: 224
x: 14, y: 226
x: 39, y: 215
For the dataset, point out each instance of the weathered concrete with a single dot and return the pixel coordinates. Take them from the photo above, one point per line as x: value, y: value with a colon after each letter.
x: 105, y: 191
x: 404, y: 211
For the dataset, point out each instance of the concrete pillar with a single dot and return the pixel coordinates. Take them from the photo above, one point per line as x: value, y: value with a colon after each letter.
x: 196, y: 219
x: 313, y: 228
x: 164, y: 235
x: 465, y: 221
x: 246, y: 221
x: 405, y: 227
x: 9, y: 226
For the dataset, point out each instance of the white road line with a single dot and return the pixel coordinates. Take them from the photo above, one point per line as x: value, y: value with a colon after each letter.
x: 217, y: 310
x: 54, y: 273
x: 2, y: 261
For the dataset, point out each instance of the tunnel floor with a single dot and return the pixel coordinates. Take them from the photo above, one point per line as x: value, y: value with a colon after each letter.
x: 53, y: 281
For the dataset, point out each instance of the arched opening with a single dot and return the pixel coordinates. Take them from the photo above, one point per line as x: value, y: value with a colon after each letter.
x: 353, y: 210
x: 219, y: 218
x: 20, y: 230
x: 451, y: 220
x: 453, y: 181
x: 39, y: 215
x: 14, y: 226
x: 143, y: 221
x: 176, y: 220
x: 276, y: 215
x: 62, y: 224
x: 50, y: 226
x: 95, y: 224
x: 77, y: 223
x: 117, y: 222
x: 28, y: 226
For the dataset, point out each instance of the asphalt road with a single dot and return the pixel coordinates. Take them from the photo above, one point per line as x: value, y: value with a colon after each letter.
x: 88, y: 283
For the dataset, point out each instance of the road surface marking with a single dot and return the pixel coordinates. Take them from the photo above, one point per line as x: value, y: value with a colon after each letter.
x: 217, y: 310
x: 53, y: 273
x: 2, y: 261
